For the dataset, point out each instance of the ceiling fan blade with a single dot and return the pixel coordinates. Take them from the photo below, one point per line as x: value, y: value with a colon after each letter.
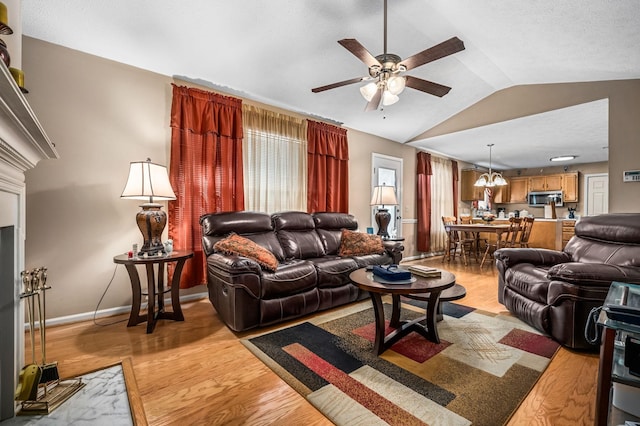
x: 354, y: 46
x: 427, y: 86
x: 339, y: 84
x: 438, y: 51
x: 374, y: 103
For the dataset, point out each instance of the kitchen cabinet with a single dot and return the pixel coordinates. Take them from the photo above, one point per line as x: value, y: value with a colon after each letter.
x: 518, y: 190
x: 570, y: 187
x: 501, y: 194
x: 469, y: 192
x: 568, y: 231
x: 545, y: 183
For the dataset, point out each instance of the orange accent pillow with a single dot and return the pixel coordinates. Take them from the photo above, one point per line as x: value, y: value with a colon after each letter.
x: 241, y: 246
x: 359, y: 244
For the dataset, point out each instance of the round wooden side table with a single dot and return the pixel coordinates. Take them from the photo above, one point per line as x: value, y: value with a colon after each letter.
x: 154, y: 281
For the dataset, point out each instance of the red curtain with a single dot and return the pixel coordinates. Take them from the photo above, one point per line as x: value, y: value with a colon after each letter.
x: 423, y: 199
x: 328, y: 168
x: 205, y: 169
x: 454, y: 171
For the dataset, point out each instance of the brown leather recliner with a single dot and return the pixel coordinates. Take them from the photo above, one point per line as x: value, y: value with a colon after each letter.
x: 310, y: 276
x: 554, y: 291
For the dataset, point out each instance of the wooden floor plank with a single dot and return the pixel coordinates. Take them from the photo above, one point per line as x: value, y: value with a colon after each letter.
x: 198, y: 372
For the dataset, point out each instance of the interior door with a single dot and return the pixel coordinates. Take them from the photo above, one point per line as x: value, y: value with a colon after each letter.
x: 596, y: 198
x: 387, y: 170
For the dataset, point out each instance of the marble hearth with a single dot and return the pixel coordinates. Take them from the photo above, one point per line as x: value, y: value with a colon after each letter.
x: 23, y: 143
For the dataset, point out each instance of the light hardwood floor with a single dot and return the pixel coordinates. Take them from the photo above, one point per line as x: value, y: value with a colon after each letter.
x: 197, y: 372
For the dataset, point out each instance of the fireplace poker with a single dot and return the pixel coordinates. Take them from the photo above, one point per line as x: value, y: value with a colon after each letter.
x: 49, y: 370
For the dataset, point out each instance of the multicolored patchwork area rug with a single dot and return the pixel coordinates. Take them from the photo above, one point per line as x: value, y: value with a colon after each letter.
x: 478, y: 374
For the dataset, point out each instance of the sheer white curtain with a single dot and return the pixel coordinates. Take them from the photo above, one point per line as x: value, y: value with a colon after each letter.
x: 275, y: 161
x: 441, y: 200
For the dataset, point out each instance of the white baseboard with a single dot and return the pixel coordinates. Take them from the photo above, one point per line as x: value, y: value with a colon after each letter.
x: 422, y: 256
x: 87, y: 316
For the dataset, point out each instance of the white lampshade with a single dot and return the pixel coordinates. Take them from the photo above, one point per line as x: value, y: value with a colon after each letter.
x: 388, y: 98
x: 482, y: 181
x: 384, y: 195
x: 148, y: 181
x: 499, y: 180
x: 368, y: 90
x: 396, y: 85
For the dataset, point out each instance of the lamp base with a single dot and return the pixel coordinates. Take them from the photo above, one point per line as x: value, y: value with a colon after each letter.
x: 151, y: 222
x: 383, y: 217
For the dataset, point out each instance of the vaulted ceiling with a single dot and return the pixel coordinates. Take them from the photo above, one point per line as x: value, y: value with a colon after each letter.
x: 276, y: 51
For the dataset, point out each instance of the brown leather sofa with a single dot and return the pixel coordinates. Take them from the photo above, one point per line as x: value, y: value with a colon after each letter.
x: 554, y: 291
x: 310, y: 275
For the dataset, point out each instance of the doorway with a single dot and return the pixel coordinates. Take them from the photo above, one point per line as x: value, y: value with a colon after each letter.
x: 387, y: 171
x: 596, y: 194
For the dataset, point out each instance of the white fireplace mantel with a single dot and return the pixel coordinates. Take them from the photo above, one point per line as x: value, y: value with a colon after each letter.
x: 23, y: 143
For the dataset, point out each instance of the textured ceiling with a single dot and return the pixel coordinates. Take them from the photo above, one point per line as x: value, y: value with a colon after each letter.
x: 276, y: 51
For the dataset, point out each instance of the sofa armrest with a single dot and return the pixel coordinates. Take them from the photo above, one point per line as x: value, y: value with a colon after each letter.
x: 537, y: 256
x: 394, y: 248
x: 233, y: 264
x: 593, y: 273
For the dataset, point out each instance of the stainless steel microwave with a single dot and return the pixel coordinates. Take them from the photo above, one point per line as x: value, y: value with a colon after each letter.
x: 547, y: 197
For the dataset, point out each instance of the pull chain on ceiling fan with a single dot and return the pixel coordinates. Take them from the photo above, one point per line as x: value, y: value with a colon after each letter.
x: 386, y: 70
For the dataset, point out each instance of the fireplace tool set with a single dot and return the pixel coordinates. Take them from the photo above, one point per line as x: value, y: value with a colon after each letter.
x: 40, y: 389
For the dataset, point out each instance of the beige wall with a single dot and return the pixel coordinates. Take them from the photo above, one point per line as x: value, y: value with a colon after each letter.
x: 362, y: 146
x: 624, y: 125
x: 101, y: 115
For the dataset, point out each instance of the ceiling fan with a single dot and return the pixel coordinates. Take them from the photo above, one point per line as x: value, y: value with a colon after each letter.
x: 386, y: 70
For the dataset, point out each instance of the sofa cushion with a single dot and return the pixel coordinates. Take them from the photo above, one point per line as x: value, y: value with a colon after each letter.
x: 252, y: 225
x: 621, y: 228
x: 292, y: 277
x: 238, y: 245
x: 333, y: 271
x: 358, y: 244
x: 297, y: 235
x: 585, y: 250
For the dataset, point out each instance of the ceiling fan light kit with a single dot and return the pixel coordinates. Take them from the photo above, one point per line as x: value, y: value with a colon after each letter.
x: 385, y: 70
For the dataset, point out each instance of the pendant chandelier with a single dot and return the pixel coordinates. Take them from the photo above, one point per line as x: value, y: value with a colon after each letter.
x: 490, y: 178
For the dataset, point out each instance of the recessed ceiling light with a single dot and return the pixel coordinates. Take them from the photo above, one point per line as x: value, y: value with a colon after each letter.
x: 563, y: 158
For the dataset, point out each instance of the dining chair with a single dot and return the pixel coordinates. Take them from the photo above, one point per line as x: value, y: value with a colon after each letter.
x: 525, y: 233
x: 514, y: 235
x: 479, y: 243
x: 507, y: 239
x: 456, y: 241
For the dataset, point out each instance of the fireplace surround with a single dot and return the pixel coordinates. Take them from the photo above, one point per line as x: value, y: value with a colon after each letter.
x: 23, y: 143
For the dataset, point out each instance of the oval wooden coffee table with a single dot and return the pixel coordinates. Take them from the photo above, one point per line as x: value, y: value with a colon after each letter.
x: 423, y: 286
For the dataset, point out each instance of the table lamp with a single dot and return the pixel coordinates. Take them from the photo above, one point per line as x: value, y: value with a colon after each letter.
x: 149, y: 181
x: 383, y: 195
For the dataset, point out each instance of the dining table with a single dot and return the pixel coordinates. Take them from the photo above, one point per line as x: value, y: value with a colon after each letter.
x: 477, y: 228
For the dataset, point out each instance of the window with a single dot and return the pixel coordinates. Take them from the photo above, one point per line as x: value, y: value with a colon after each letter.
x: 275, y: 161
x: 441, y: 200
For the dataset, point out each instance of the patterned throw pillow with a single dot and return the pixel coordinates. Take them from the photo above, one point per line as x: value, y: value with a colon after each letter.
x: 359, y: 244
x: 236, y: 244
